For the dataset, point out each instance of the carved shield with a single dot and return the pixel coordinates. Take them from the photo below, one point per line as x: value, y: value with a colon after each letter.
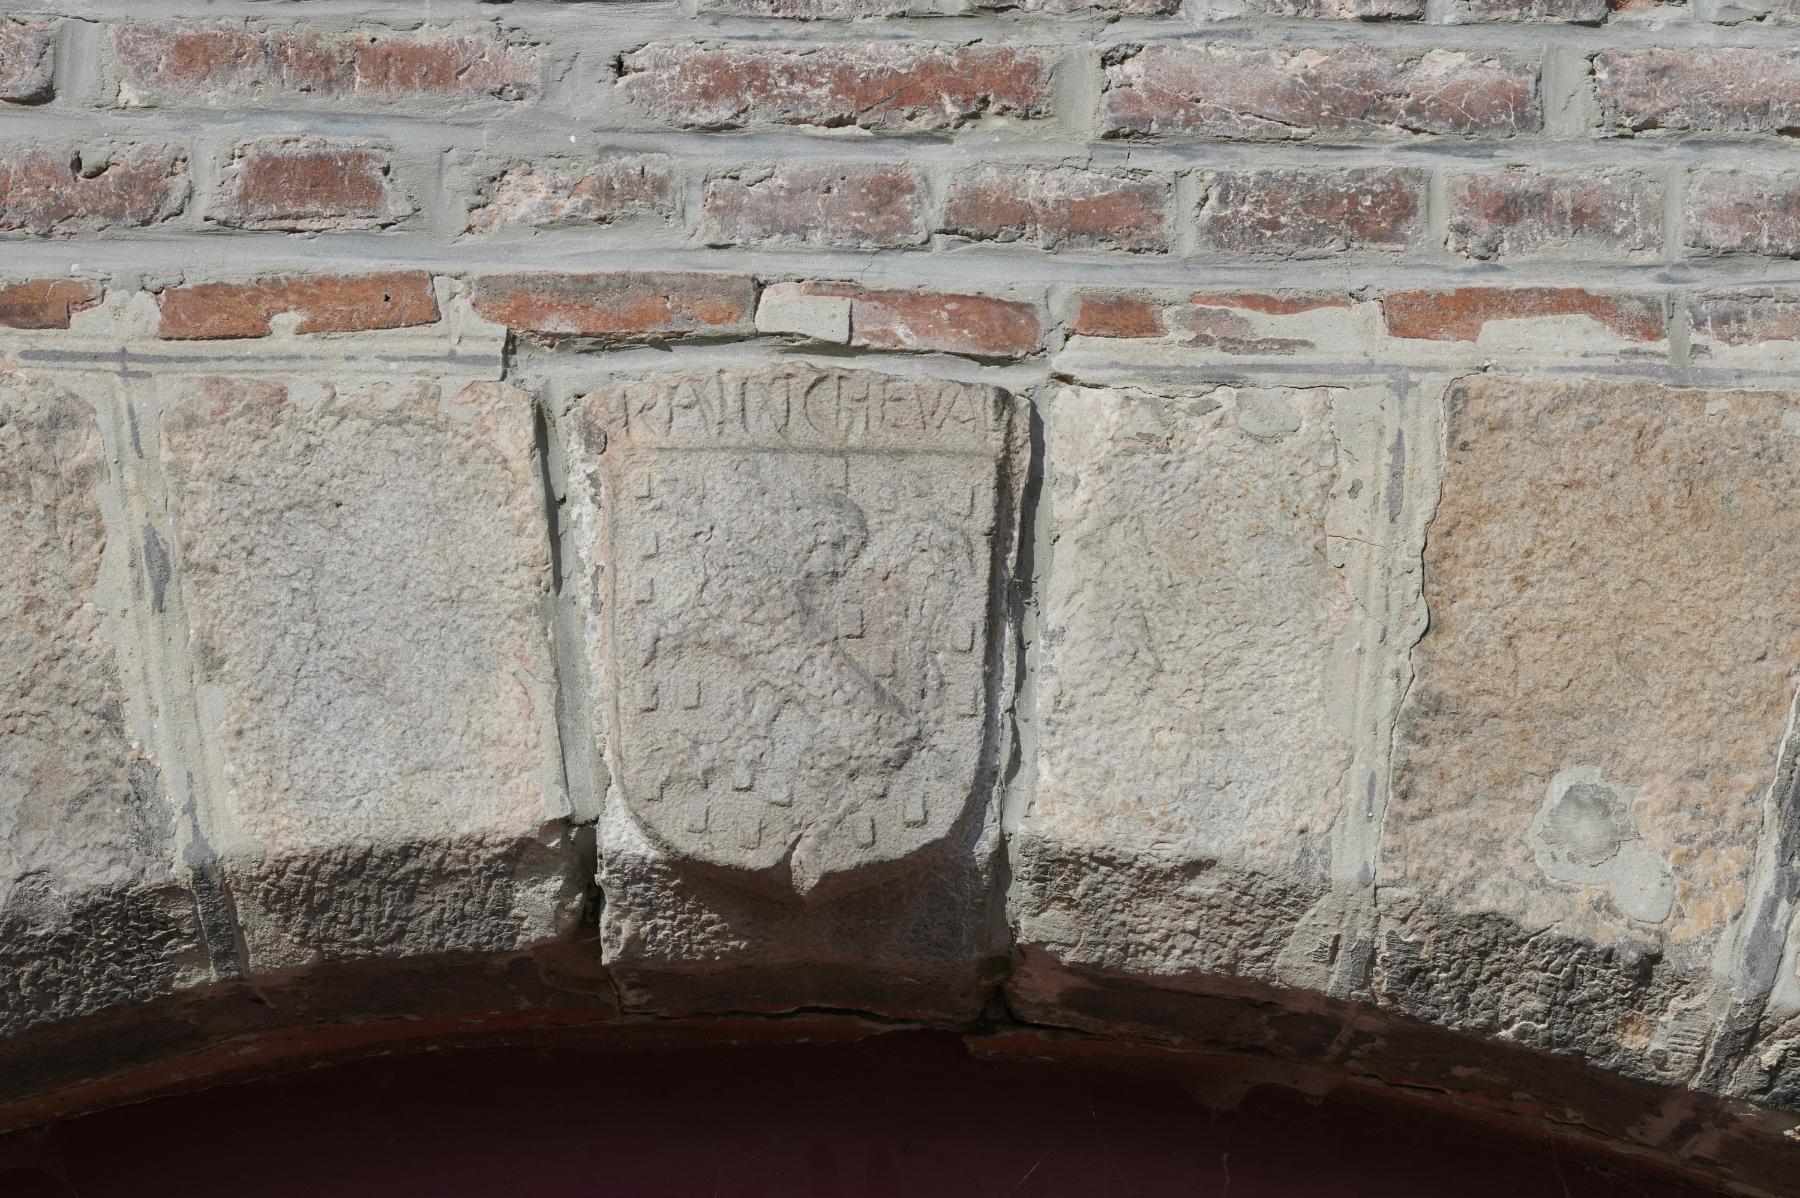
x: 800, y: 613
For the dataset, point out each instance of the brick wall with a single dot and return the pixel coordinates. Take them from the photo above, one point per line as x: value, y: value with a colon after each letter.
x: 1266, y: 524
x: 897, y: 157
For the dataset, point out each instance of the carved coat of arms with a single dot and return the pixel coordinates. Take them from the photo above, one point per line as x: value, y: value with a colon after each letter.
x: 797, y: 609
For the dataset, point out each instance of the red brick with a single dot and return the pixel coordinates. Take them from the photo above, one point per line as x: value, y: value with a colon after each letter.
x: 1231, y: 92
x: 1573, y: 12
x: 27, y: 58
x: 307, y: 184
x: 548, y: 194
x: 220, y: 62
x: 1117, y: 314
x: 1525, y: 212
x: 324, y: 303
x: 1746, y: 317
x: 45, y: 303
x: 620, y: 305
x: 937, y: 321
x: 870, y: 85
x: 1459, y: 315
x: 1300, y: 212
x: 1721, y: 89
x: 1334, y: 10
x: 866, y: 207
x: 53, y: 190
x: 1060, y: 208
x: 1733, y: 213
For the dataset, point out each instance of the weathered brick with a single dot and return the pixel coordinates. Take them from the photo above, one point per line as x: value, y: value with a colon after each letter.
x: 324, y: 304
x: 1334, y: 10
x: 935, y: 321
x: 880, y: 86
x: 619, y: 305
x: 1734, y: 213
x: 816, y: 10
x: 216, y: 62
x: 1574, y: 12
x: 1720, y: 89
x: 1310, y: 211
x: 45, y: 303
x: 1116, y: 314
x: 547, y: 194
x: 27, y: 58
x: 1232, y: 92
x: 1746, y: 317
x: 1060, y: 208
x: 307, y: 184
x: 868, y: 207
x: 1528, y: 212
x: 54, y: 189
x: 1459, y: 314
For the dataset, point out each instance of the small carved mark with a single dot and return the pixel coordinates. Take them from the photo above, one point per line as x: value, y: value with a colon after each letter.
x: 647, y: 697
x: 697, y: 812
x: 864, y: 826
x: 742, y: 778
x: 914, y: 811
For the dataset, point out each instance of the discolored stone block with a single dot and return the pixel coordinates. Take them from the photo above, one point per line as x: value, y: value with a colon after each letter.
x: 797, y: 641
x: 364, y: 569
x: 1583, y: 765
x: 91, y: 913
x: 1214, y: 661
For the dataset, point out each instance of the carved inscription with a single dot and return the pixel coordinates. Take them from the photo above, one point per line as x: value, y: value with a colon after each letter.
x: 795, y: 575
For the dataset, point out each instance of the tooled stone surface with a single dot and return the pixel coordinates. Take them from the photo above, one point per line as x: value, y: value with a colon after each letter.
x: 1583, y: 765
x: 796, y: 640
x: 89, y: 912
x: 1201, y: 644
x: 365, y: 575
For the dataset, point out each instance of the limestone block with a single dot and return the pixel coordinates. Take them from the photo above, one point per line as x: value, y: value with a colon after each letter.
x: 91, y: 915
x: 1216, y: 655
x: 365, y: 573
x: 1583, y: 766
x: 798, y: 649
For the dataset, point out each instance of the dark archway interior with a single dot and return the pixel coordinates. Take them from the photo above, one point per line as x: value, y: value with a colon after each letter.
x: 901, y: 1114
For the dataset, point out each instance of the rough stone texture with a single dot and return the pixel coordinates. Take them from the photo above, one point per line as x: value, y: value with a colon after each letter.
x: 91, y: 915
x: 880, y: 86
x: 1584, y: 759
x: 221, y: 62
x: 1203, y: 684
x: 45, y: 303
x: 623, y: 306
x: 322, y: 304
x: 1713, y: 90
x: 27, y: 61
x: 375, y: 793
x: 308, y: 184
x: 1060, y: 208
x: 1229, y: 92
x: 62, y: 190
x: 552, y: 194
x: 795, y: 708
x: 1228, y: 366
x: 1732, y: 212
x: 1310, y: 212
x: 863, y: 207
x: 1528, y: 212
